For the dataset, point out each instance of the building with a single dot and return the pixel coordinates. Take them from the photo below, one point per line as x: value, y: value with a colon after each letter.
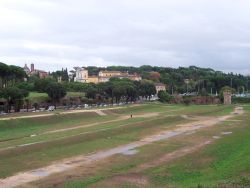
x: 26, y: 69
x: 109, y: 73
x: 33, y: 71
x: 93, y: 79
x: 40, y: 73
x: 81, y: 75
x: 104, y: 76
x: 160, y: 87
x: 133, y: 77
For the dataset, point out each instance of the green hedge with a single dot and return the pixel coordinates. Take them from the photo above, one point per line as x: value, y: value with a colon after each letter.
x: 241, y: 99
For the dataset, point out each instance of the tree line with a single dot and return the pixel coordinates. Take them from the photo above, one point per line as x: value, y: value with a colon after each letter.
x: 114, y: 90
x: 15, y: 85
x: 121, y: 89
x: 200, y: 80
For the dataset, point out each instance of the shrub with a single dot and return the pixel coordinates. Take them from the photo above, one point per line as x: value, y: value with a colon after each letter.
x: 164, y: 96
x: 241, y: 100
x: 187, y: 100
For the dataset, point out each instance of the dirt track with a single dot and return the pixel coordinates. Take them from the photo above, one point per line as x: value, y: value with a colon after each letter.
x: 79, y: 127
x: 71, y: 163
x: 60, y: 113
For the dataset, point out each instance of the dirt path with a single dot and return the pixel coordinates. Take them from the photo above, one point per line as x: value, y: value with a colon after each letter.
x: 71, y: 163
x: 137, y: 178
x: 146, y: 115
x: 100, y: 112
x: 60, y: 113
x: 173, y: 155
x: 85, y: 126
x: 79, y: 127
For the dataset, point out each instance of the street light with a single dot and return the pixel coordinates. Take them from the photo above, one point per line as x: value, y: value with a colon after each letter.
x: 187, y: 82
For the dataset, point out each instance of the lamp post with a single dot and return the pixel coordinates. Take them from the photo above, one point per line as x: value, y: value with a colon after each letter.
x: 187, y: 82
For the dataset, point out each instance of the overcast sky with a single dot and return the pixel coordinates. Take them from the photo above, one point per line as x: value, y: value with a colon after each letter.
x: 66, y: 33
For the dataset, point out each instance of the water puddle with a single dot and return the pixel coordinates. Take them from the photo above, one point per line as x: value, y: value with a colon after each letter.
x: 216, y: 137
x: 226, y: 133
x: 198, y: 126
x: 130, y: 152
x: 189, y: 133
x: 40, y: 173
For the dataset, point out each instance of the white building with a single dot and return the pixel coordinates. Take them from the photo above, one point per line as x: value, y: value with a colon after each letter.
x: 81, y: 75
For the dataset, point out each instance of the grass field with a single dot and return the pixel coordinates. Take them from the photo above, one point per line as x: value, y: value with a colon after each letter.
x: 31, y: 143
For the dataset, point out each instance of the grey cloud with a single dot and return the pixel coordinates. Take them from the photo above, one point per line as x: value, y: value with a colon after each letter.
x: 55, y: 34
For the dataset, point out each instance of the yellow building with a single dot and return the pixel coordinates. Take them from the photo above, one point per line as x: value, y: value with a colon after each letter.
x: 160, y: 87
x: 93, y: 79
x: 109, y: 73
x: 103, y: 76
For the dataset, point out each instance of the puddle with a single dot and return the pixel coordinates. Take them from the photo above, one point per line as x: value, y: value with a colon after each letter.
x: 226, y: 133
x: 189, y: 133
x: 130, y: 152
x: 42, y: 173
x: 62, y: 167
x: 216, y: 137
x: 198, y: 126
x: 165, y: 136
x: 29, y: 144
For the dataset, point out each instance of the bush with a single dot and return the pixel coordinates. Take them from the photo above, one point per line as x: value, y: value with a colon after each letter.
x: 75, y: 86
x: 26, y: 86
x: 241, y: 100
x: 56, y: 92
x: 40, y: 85
x: 187, y: 100
x: 164, y: 96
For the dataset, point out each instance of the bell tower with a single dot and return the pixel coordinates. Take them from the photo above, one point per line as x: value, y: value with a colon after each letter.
x: 32, y: 67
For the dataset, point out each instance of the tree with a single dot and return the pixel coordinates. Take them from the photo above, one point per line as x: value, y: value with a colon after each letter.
x: 10, y: 75
x: 75, y: 86
x: 164, y: 96
x: 91, y: 92
x: 63, y: 74
x: 147, y: 89
x: 107, y: 89
x: 26, y: 86
x: 56, y: 92
x: 226, y: 88
x: 36, y: 106
x: 119, y: 92
x: 14, y: 96
x: 131, y: 93
x: 4, y: 69
x: 41, y: 85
